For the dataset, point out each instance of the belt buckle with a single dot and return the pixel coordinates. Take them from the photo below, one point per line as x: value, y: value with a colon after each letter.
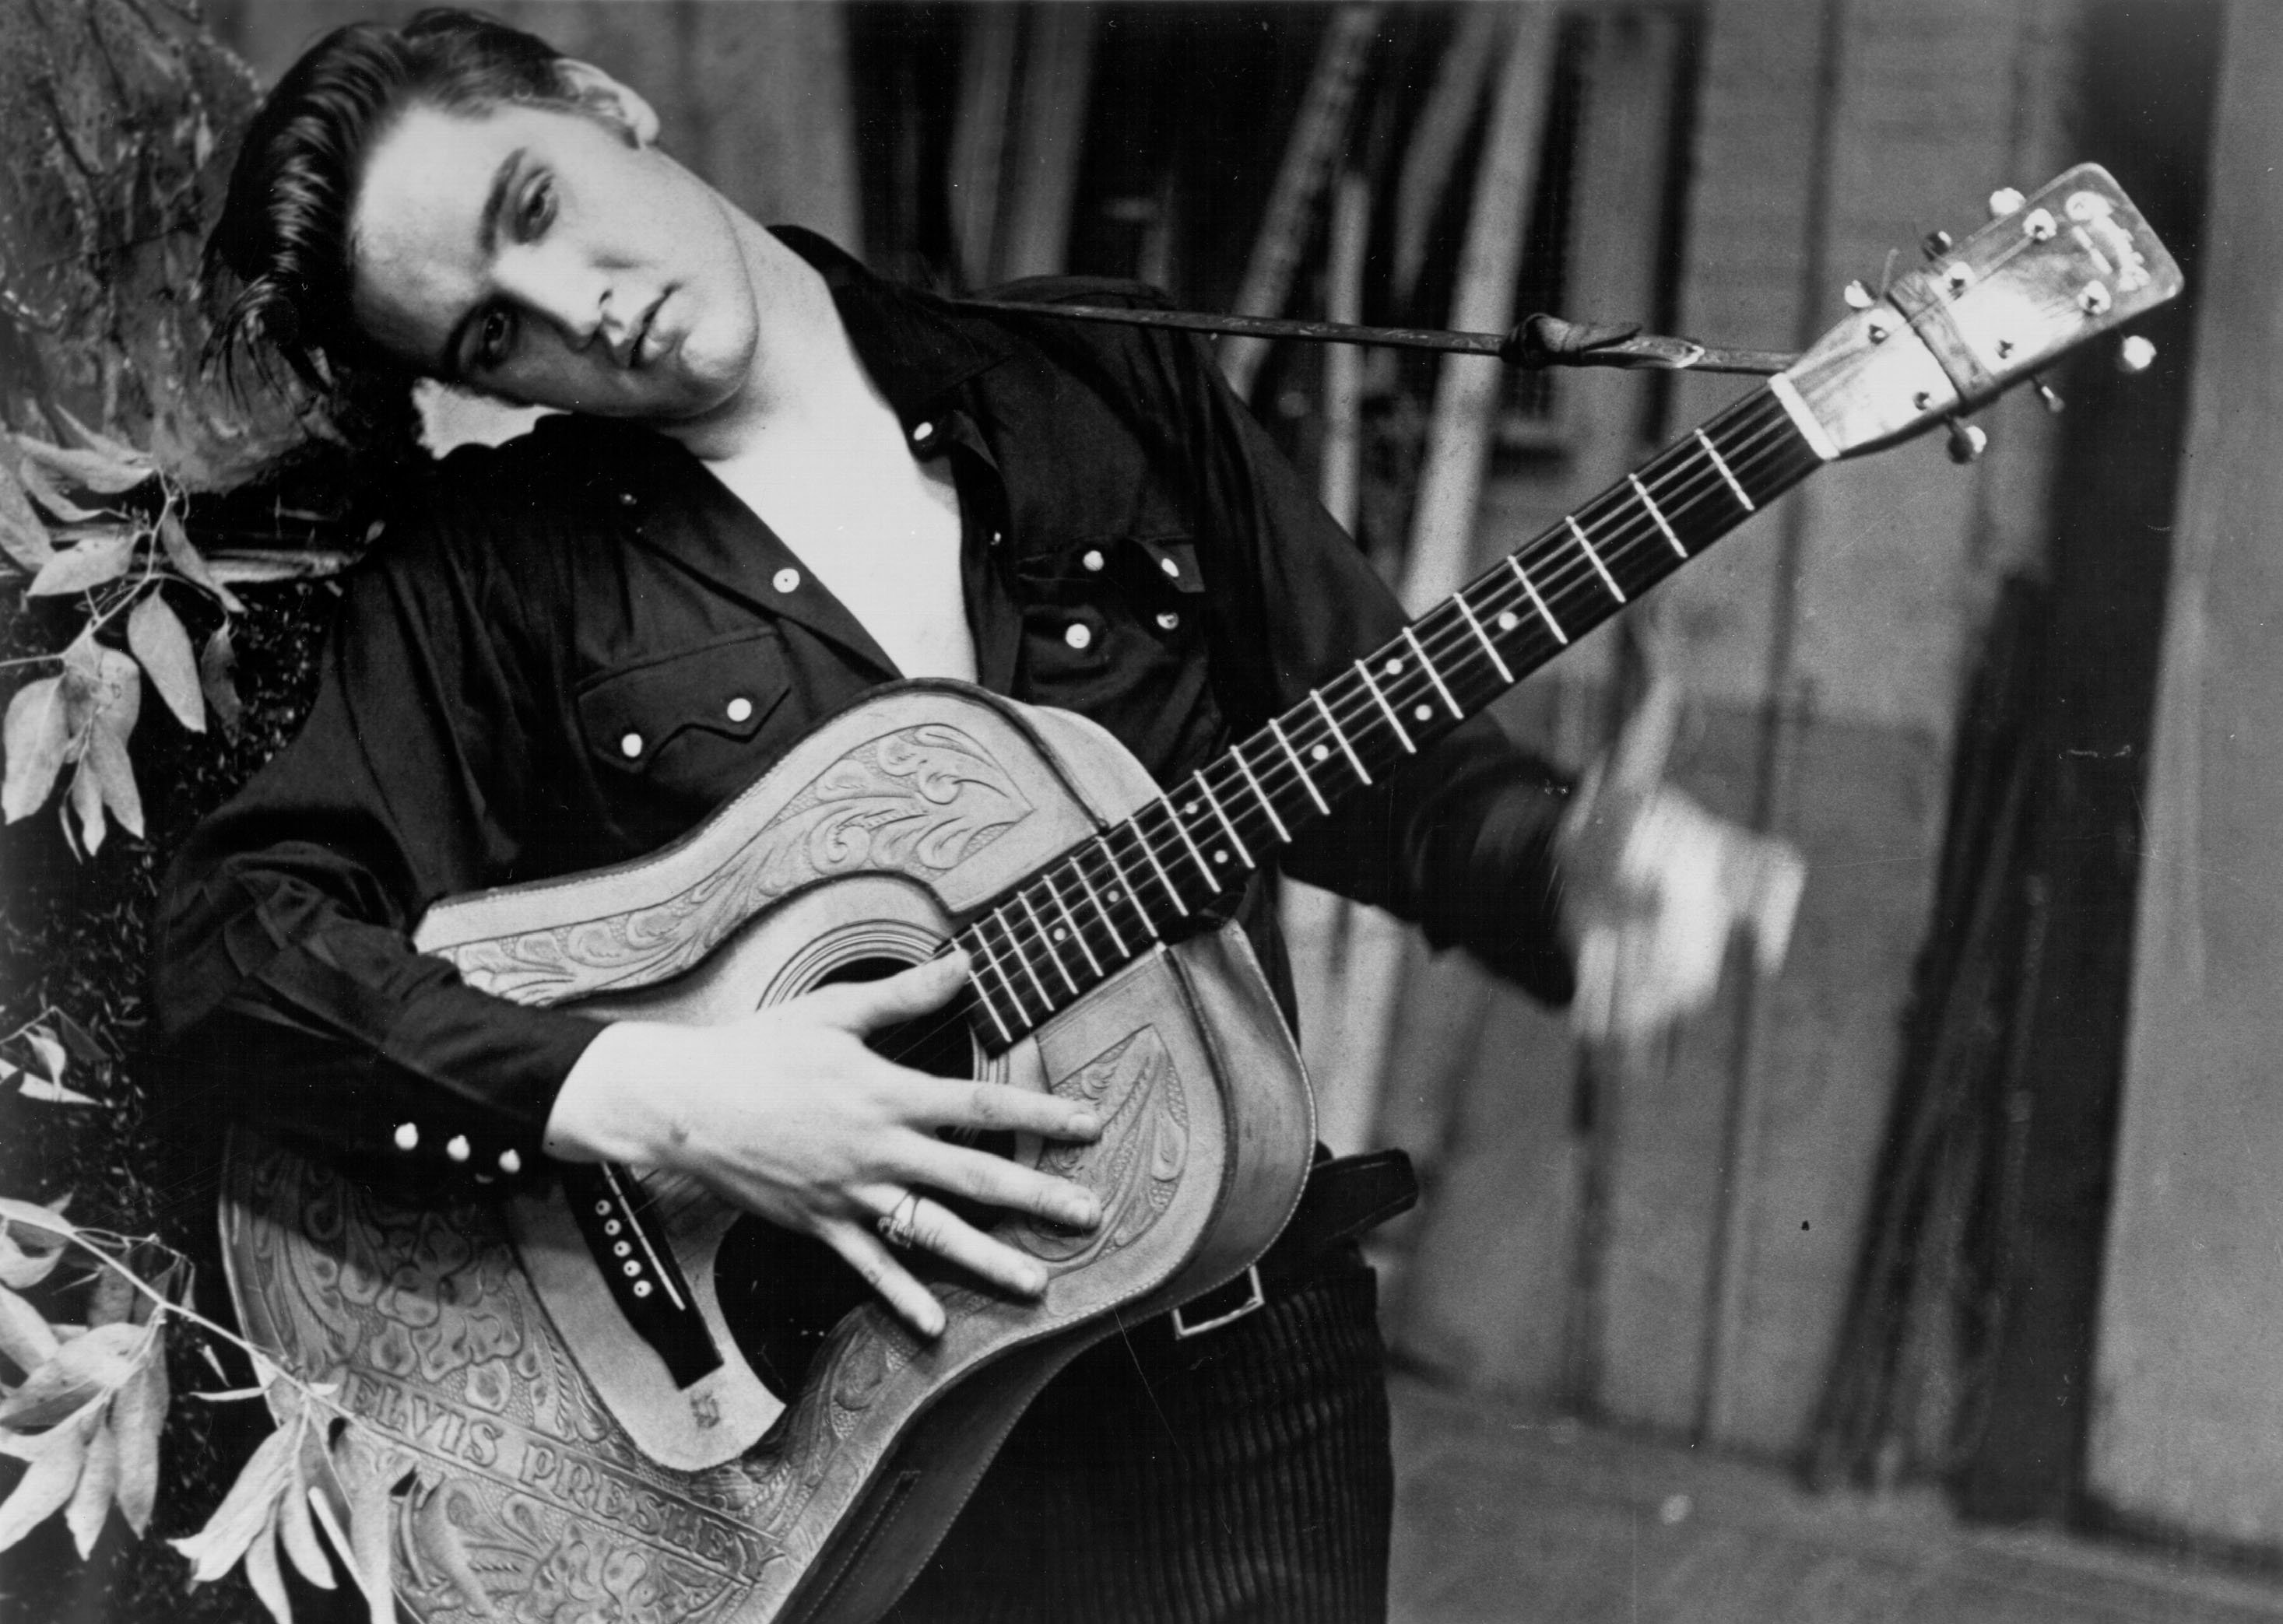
x: 1254, y: 1299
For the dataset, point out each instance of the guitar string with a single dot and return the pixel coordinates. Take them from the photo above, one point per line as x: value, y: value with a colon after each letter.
x: 1681, y: 487
x: 1692, y: 477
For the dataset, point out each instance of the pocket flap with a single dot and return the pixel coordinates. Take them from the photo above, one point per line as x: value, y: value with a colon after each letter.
x: 726, y: 687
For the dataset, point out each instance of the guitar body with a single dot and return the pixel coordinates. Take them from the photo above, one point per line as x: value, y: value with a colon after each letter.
x: 539, y: 1448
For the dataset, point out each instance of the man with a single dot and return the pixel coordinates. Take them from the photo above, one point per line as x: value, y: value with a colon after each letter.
x: 781, y: 483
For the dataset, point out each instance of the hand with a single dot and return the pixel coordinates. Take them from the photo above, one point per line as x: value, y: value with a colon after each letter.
x: 1654, y: 886
x: 788, y: 1115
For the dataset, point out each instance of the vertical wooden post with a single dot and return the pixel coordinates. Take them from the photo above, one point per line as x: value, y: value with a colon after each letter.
x: 1318, y: 132
x: 990, y: 37
x: 1057, y: 79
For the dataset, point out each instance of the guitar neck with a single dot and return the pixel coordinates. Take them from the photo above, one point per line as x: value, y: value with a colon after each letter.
x: 1068, y: 927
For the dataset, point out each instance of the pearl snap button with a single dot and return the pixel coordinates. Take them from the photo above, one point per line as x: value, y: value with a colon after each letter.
x: 1170, y: 568
x: 510, y: 1163
x: 458, y: 1147
x: 1080, y: 635
x: 641, y: 1288
x: 1167, y: 621
x: 786, y: 581
x: 1093, y: 560
x: 630, y: 746
x: 922, y: 433
x: 625, y: 499
x: 739, y: 708
x: 408, y: 1134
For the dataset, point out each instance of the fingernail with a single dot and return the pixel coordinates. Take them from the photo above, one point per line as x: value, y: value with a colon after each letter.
x: 1034, y: 1282
x: 931, y: 1324
x: 1082, y: 1211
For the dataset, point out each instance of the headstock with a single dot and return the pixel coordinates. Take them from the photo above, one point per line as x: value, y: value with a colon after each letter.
x: 2049, y: 272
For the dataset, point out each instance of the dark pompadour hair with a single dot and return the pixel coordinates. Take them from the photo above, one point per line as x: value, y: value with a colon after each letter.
x: 281, y: 247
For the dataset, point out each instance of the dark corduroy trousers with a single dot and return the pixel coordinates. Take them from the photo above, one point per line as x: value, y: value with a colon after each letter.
x: 1242, y: 1474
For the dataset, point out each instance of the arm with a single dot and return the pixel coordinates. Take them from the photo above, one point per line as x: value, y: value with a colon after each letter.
x: 289, y: 992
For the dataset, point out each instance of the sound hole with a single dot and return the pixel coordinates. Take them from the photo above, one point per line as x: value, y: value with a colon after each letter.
x: 782, y: 1293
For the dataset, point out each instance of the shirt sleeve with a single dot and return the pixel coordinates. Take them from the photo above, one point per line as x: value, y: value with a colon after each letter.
x: 1460, y: 840
x: 287, y: 990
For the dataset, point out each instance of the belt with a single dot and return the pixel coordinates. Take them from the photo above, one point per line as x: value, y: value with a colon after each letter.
x: 1345, y: 1196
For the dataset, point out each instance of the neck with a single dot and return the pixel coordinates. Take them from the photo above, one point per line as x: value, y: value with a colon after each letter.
x: 802, y: 360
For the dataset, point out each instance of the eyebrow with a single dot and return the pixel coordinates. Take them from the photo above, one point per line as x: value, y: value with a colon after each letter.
x: 486, y: 241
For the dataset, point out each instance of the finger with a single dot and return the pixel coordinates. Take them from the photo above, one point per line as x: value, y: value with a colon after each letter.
x: 865, y: 1007
x: 939, y: 1230
x: 995, y: 1108
x: 865, y: 1253
x: 995, y: 1181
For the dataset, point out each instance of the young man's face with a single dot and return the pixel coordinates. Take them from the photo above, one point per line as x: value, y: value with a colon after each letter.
x: 536, y: 253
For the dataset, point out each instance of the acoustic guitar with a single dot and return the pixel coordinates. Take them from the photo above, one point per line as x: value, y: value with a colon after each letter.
x: 618, y: 1395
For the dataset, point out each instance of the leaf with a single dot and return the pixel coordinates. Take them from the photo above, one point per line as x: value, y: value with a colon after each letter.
x: 261, y: 1570
x: 246, y: 1510
x: 217, y: 667
x: 35, y: 736
x: 85, y: 1045
x: 156, y: 635
x: 95, y: 440
x: 99, y: 682
x: 20, y: 1268
x: 98, y: 558
x: 114, y: 1298
x: 299, y: 1531
x: 90, y: 1502
x: 47, y: 1222
x: 24, y: 1336
x: 42, y: 487
x: 258, y: 565
x: 54, y: 1093
x: 56, y: 1456
x: 92, y: 471
x: 22, y: 537
x: 87, y: 801
x: 74, y: 1375
x: 137, y: 1415
x: 106, y: 750
x: 191, y: 563
x: 52, y: 1058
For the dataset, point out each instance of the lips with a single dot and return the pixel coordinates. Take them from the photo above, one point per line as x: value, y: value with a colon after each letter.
x: 641, y: 352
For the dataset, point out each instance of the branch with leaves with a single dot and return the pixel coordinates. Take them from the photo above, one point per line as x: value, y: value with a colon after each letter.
x: 87, y: 1411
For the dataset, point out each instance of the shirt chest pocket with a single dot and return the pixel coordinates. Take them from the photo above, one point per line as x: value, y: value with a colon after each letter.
x: 1093, y: 605
x: 689, y: 729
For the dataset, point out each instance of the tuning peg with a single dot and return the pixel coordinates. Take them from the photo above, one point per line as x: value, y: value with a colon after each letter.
x: 2006, y: 200
x: 1966, y: 442
x: 2135, y: 354
x: 1858, y: 296
x: 1936, y: 244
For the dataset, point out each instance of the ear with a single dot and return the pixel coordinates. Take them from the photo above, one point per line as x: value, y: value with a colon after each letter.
x: 601, y: 94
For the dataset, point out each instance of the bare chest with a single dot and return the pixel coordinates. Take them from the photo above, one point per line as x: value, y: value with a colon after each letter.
x: 878, y: 528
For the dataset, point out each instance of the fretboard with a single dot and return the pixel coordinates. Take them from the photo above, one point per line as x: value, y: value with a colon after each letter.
x: 1047, y: 942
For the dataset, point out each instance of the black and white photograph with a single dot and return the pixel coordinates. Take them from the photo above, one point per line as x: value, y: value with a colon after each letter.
x: 890, y: 811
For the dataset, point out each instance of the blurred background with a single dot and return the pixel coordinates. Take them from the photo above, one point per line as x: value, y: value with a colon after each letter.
x: 1939, y: 1275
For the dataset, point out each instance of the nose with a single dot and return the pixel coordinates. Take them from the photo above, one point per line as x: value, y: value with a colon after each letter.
x: 573, y: 298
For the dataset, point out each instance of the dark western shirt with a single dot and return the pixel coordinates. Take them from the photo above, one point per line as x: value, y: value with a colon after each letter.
x: 568, y: 650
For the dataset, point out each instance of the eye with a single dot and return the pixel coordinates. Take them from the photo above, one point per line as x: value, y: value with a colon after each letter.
x: 495, y: 337
x: 537, y: 210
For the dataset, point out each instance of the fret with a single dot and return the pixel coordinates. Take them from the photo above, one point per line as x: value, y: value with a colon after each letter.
x: 1023, y: 959
x: 1261, y: 795
x: 1031, y: 913
x: 1641, y: 491
x: 1607, y: 579
x: 1306, y: 783
x: 1354, y: 760
x: 1544, y: 613
x: 1489, y: 648
x: 983, y: 996
x: 992, y: 959
x: 1071, y: 920
x: 1394, y: 721
x: 1721, y: 462
x: 1433, y: 676
x: 1182, y: 829
x: 1213, y: 801
x: 1095, y: 896
x: 1151, y: 851
x: 1119, y: 868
